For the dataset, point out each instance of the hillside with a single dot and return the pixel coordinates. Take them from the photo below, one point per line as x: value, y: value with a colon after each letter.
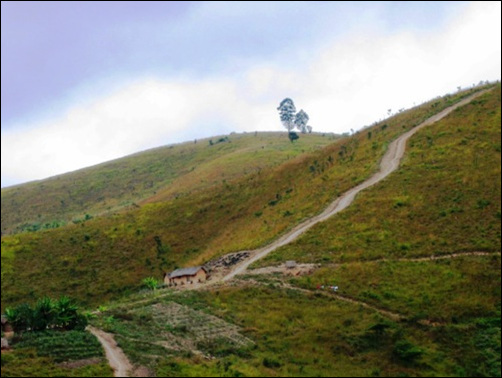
x: 161, y: 173
x: 108, y: 256
x: 397, y: 312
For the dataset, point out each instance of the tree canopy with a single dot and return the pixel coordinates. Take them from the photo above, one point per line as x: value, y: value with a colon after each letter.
x: 291, y: 120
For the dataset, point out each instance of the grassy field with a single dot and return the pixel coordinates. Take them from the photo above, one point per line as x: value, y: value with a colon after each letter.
x: 56, y: 354
x: 106, y: 257
x: 445, y: 198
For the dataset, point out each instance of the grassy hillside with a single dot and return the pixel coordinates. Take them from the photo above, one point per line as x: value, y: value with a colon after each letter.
x: 108, y: 256
x: 445, y: 197
x: 293, y: 334
x: 161, y: 173
x: 451, y: 307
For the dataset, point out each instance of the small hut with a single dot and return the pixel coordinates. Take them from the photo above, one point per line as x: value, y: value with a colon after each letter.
x: 186, y: 276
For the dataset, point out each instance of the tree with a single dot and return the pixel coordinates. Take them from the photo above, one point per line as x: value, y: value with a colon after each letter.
x: 287, y: 112
x: 20, y: 317
x: 48, y: 313
x: 66, y: 313
x: 44, y: 314
x: 293, y: 136
x: 301, y: 121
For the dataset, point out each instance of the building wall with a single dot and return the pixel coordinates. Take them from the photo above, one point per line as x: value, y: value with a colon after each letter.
x: 200, y: 276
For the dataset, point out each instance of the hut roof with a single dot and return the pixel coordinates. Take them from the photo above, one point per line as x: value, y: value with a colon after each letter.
x: 186, y: 272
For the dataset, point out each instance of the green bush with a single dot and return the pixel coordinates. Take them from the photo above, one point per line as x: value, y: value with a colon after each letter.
x: 151, y: 283
x: 47, y: 313
x: 271, y: 363
x: 406, y: 351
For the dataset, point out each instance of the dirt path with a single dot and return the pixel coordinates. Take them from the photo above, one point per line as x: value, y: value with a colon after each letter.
x: 390, y: 162
x: 438, y: 257
x: 389, y: 314
x: 116, y: 357
x: 301, y: 269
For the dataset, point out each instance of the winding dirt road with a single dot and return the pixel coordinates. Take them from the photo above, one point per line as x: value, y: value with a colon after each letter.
x: 390, y: 162
x: 115, y: 356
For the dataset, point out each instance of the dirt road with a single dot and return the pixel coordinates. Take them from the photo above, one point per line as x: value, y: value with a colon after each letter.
x: 390, y: 162
x: 116, y: 357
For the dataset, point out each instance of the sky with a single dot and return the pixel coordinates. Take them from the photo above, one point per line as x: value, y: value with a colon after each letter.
x: 87, y: 82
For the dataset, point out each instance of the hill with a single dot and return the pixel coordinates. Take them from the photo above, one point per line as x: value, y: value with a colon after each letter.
x: 160, y: 173
x: 108, y: 256
x: 398, y: 312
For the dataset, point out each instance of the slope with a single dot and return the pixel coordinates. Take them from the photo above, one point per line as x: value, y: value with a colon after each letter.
x: 444, y: 198
x: 163, y: 172
x: 108, y: 256
x: 449, y: 308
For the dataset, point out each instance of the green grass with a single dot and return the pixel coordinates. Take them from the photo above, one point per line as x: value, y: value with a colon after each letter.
x: 297, y: 334
x: 106, y: 257
x: 156, y: 174
x: 441, y: 291
x: 445, y: 197
x: 38, y: 354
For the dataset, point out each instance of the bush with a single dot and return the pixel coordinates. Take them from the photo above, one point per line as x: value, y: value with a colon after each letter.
x: 271, y: 363
x: 406, y: 351
x: 47, y: 313
x: 151, y: 283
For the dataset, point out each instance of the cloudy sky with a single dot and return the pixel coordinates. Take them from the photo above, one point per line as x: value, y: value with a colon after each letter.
x: 86, y: 82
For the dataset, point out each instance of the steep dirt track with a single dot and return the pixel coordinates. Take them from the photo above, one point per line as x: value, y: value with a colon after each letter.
x: 390, y: 162
x: 115, y: 356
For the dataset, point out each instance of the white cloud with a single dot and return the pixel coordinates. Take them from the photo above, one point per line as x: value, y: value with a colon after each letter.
x: 349, y: 84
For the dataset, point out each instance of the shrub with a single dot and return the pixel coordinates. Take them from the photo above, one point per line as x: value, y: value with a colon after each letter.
x: 406, y: 351
x: 47, y: 313
x: 271, y: 363
x: 150, y: 283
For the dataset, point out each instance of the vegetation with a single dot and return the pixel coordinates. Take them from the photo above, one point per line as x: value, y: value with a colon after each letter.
x: 443, y: 199
x: 56, y: 354
x: 450, y: 290
x: 287, y: 112
x: 150, y: 283
x: 88, y: 260
x: 300, y: 334
x: 167, y: 172
x: 169, y: 328
x: 47, y: 314
x: 290, y: 119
